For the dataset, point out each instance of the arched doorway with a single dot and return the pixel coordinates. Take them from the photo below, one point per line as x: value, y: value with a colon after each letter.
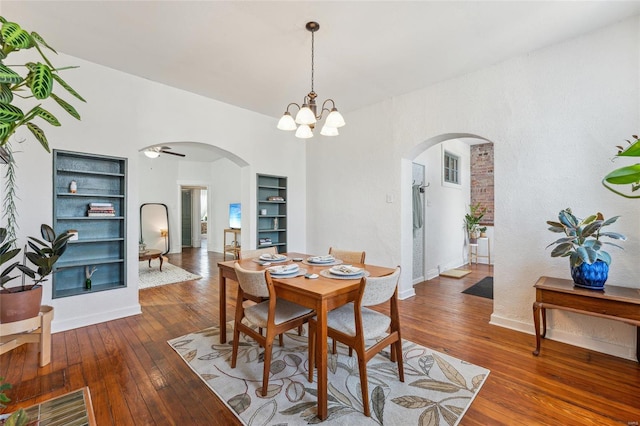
x: 203, y: 168
x: 440, y: 243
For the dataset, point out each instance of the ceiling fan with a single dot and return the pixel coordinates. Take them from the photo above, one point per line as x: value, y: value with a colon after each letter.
x: 155, y: 151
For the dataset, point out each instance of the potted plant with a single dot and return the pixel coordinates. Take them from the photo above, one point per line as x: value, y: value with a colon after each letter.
x: 23, y: 301
x: 472, y: 221
x: 628, y: 175
x: 588, y: 261
x: 25, y: 88
x: 483, y: 231
x: 17, y: 418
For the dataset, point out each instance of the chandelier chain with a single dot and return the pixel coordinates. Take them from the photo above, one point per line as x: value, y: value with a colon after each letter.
x: 312, y: 57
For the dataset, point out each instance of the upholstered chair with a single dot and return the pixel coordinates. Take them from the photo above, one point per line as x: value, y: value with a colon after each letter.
x: 355, y: 325
x: 347, y: 256
x: 274, y: 315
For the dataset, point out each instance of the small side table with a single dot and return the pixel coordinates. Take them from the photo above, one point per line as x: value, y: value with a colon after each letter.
x: 151, y: 254
x: 474, y: 251
x: 30, y: 330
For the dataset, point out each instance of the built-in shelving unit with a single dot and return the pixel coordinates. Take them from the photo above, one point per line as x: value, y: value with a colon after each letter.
x: 101, y: 239
x: 272, y: 225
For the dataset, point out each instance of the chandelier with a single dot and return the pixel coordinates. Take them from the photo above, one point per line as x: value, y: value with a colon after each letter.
x: 308, y: 114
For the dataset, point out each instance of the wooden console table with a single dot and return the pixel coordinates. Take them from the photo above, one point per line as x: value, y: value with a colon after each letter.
x: 30, y: 330
x: 615, y: 303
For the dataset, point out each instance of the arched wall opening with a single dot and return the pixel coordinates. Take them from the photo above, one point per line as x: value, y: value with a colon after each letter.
x: 454, y: 240
x: 220, y: 172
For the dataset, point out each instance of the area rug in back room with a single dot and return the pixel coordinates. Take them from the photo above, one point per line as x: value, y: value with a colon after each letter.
x: 483, y: 288
x: 438, y: 388
x: 170, y: 274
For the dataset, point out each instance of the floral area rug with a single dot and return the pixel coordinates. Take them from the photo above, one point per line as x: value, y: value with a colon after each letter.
x: 153, y: 276
x: 438, y: 389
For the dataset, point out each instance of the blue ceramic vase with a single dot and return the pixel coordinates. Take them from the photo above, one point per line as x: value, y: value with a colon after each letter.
x: 590, y: 276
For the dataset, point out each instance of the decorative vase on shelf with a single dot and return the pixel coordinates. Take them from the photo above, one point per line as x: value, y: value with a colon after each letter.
x: 87, y: 284
x: 73, y: 187
x: 275, y: 223
x: 591, y: 276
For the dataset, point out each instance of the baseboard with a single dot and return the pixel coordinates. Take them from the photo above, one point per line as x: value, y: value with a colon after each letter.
x: 582, y: 341
x: 432, y: 273
x: 405, y: 294
x: 418, y: 280
x: 85, y: 320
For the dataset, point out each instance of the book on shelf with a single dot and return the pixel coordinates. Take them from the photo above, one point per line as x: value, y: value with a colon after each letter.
x: 101, y: 205
x: 101, y: 211
x: 91, y: 214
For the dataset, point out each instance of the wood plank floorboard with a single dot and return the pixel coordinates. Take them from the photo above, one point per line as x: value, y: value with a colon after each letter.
x: 136, y: 378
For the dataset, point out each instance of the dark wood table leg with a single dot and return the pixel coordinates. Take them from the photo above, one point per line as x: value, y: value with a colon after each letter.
x: 638, y: 343
x: 536, y: 324
x: 321, y: 357
x: 161, y: 260
x: 544, y: 321
x: 149, y: 262
x: 222, y: 297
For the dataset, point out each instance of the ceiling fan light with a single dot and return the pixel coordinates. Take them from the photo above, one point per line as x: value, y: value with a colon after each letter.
x: 335, y: 119
x: 151, y: 153
x: 304, y: 132
x: 329, y: 131
x: 286, y: 122
x: 305, y: 115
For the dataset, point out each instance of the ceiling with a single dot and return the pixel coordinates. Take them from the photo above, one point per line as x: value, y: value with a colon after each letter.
x: 257, y: 54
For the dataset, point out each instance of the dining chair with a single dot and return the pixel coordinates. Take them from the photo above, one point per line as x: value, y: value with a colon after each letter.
x: 250, y: 254
x: 354, y: 324
x: 347, y: 256
x: 275, y: 315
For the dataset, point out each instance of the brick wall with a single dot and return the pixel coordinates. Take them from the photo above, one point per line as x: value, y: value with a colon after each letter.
x: 482, y: 179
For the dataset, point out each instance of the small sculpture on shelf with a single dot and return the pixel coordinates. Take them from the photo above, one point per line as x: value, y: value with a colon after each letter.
x: 88, y: 273
x: 73, y: 187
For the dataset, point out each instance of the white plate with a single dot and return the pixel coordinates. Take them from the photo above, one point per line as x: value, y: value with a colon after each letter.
x: 273, y: 258
x: 336, y: 270
x: 317, y: 259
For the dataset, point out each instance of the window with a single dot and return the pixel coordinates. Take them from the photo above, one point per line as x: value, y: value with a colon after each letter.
x: 451, y: 168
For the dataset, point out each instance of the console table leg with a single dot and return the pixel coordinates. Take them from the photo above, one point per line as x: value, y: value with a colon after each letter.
x: 638, y: 343
x: 536, y: 324
x: 544, y: 321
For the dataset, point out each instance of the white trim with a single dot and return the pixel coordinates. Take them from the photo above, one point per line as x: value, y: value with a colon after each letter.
x: 85, y: 320
x: 582, y: 341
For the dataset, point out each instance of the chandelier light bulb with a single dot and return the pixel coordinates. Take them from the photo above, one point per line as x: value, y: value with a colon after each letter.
x: 329, y: 131
x: 335, y: 119
x: 287, y: 122
x: 304, y: 132
x: 305, y: 115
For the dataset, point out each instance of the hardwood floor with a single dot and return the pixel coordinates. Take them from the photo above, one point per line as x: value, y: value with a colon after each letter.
x: 136, y: 378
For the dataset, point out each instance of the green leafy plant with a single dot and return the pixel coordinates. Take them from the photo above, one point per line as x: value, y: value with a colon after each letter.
x: 628, y: 175
x: 39, y: 83
x: 17, y: 418
x: 581, y: 242
x: 44, y: 256
x: 473, y: 218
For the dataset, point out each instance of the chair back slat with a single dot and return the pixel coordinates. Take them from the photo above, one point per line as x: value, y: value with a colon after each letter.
x: 250, y: 254
x: 380, y: 289
x: 252, y: 282
x: 348, y: 256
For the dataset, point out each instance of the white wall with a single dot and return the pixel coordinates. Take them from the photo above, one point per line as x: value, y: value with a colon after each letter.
x: 123, y: 114
x: 445, y: 208
x: 554, y: 116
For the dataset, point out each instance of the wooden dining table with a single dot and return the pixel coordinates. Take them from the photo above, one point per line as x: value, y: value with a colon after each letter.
x: 321, y: 294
